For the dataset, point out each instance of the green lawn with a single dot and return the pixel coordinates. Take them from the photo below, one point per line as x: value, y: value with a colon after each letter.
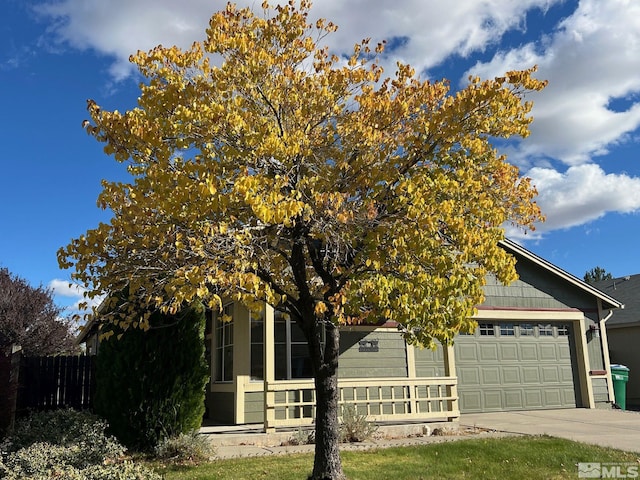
x: 512, y: 457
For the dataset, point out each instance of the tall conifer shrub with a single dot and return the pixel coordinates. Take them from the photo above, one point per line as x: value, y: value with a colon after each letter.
x: 151, y: 384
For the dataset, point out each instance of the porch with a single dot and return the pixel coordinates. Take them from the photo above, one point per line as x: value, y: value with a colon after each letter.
x: 261, y: 375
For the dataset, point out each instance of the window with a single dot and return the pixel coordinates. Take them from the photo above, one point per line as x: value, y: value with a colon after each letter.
x: 563, y: 330
x: 507, y: 330
x: 545, y: 330
x: 526, y: 330
x: 257, y: 346
x: 291, y: 350
x: 486, y: 329
x: 224, y: 345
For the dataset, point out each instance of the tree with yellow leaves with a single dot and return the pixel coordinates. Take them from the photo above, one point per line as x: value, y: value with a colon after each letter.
x: 265, y: 169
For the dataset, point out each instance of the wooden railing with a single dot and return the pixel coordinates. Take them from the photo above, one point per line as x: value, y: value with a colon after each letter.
x: 292, y: 402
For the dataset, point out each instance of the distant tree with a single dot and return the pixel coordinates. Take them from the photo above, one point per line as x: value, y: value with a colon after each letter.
x: 597, y: 274
x: 30, y: 318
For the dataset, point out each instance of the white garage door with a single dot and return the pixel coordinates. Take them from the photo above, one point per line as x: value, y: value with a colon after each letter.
x: 515, y: 366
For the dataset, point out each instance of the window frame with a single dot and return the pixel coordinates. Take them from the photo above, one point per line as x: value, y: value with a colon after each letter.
x: 224, y: 345
x: 486, y: 329
x: 289, y: 343
x: 507, y: 329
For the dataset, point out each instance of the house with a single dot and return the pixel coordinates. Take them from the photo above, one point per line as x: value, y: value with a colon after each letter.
x: 540, y: 343
x: 623, y: 330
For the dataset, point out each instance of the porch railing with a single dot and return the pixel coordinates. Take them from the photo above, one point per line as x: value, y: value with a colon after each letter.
x: 293, y: 402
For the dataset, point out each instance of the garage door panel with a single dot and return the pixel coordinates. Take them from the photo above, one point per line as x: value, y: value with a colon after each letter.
x: 513, y: 400
x: 473, y: 400
x: 552, y: 397
x: 550, y: 374
x: 488, y: 352
x: 566, y: 374
x: 568, y: 397
x: 492, y: 400
x: 528, y: 352
x: 466, y: 352
x: 511, y: 375
x: 533, y: 398
x: 509, y: 352
x: 490, y: 375
x: 531, y: 374
x: 469, y: 375
x: 548, y: 351
x: 514, y: 372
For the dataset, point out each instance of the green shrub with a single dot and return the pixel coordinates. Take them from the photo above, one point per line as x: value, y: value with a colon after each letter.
x: 185, y: 448
x: 355, y: 427
x: 43, y: 461
x: 65, y: 444
x: 66, y: 427
x: 150, y: 385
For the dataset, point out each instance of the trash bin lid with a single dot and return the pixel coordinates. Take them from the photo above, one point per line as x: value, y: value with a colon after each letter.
x: 617, y: 366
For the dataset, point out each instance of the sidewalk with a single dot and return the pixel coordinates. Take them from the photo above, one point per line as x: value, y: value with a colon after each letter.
x: 607, y: 428
x: 238, y: 442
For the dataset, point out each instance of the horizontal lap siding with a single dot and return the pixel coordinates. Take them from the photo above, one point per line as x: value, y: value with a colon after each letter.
x: 390, y: 359
x: 254, y: 407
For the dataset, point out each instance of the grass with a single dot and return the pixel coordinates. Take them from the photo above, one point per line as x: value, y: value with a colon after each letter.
x: 540, y: 457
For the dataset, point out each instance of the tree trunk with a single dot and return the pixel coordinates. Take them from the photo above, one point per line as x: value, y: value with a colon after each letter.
x: 327, y: 464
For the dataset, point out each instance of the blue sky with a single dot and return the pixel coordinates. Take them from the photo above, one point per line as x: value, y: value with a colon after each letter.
x: 582, y: 154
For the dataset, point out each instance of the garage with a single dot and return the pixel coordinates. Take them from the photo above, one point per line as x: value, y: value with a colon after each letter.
x: 515, y: 366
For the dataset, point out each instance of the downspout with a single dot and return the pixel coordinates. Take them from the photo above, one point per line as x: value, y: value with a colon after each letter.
x: 605, y: 353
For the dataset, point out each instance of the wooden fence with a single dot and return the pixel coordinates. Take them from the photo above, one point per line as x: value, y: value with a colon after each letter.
x: 48, y: 383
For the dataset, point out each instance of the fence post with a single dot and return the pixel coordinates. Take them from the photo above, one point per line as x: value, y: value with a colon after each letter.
x: 9, y: 372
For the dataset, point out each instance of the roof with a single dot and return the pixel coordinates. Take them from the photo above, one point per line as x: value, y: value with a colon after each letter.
x: 626, y: 289
x: 602, y: 293
x: 608, y: 302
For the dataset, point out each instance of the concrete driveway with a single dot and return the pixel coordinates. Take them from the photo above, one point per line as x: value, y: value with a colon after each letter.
x: 607, y: 428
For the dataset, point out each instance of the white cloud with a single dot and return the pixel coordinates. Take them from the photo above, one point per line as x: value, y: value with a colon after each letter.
x: 591, y: 59
x: 581, y: 194
x: 434, y: 30
x: 74, y: 292
x: 66, y: 289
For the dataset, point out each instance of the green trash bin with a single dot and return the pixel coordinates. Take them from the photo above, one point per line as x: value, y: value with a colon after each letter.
x: 620, y: 377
